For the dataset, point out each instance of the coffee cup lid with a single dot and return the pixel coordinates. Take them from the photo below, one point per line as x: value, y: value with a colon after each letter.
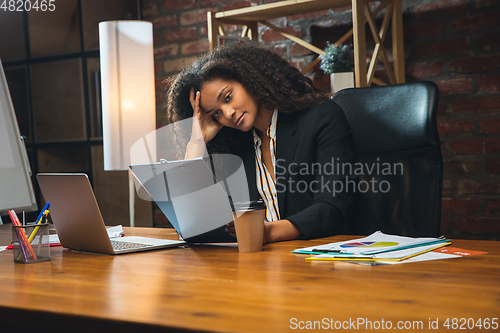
x: 249, y: 205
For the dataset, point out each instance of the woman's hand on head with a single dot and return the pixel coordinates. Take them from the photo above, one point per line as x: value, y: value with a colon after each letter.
x: 206, y: 128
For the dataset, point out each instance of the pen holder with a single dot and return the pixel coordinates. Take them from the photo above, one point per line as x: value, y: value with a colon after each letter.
x: 31, y: 243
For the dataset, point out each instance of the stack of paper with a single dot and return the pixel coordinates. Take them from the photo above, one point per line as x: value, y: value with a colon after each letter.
x: 380, y: 248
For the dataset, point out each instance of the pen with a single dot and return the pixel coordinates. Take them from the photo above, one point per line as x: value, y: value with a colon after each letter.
x: 343, y: 257
x: 354, y: 257
x: 43, y: 213
x: 326, y: 251
x: 23, y: 240
x: 35, y: 230
x: 20, y: 234
x: 23, y: 251
x: 39, y: 218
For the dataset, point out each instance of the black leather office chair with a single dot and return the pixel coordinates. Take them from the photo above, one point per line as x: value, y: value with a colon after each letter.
x: 397, y: 125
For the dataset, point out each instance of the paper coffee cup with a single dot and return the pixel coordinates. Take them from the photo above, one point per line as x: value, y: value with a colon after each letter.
x: 249, y: 224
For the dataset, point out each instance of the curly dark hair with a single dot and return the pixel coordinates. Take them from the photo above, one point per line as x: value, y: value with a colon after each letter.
x: 271, y: 80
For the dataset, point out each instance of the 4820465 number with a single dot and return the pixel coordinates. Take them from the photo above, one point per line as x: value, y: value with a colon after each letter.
x: 470, y: 323
x: 28, y: 5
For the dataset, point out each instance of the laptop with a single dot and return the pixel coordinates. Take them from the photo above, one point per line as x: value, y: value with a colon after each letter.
x: 78, y: 220
x: 195, y: 195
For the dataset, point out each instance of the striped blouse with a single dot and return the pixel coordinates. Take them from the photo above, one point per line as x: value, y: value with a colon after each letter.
x: 266, y: 186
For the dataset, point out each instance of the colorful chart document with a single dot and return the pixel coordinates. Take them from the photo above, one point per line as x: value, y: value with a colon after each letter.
x: 376, y: 243
x: 398, y: 255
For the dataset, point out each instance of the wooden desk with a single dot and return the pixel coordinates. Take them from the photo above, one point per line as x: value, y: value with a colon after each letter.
x: 362, y: 12
x: 207, y: 288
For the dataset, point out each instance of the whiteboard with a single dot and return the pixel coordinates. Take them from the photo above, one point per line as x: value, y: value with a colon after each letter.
x: 16, y: 189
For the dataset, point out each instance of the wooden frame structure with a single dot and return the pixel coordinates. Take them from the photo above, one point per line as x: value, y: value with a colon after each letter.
x: 362, y: 13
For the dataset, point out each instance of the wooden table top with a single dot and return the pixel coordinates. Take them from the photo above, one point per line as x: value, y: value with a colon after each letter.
x: 215, y: 288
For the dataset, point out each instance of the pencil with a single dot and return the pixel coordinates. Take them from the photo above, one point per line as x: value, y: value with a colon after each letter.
x: 23, y: 240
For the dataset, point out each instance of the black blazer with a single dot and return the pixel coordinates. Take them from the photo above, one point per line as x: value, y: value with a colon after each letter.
x: 313, y: 192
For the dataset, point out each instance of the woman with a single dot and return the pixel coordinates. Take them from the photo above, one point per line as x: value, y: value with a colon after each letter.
x: 251, y: 102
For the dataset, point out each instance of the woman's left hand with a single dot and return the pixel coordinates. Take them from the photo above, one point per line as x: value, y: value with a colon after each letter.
x: 273, y: 231
x: 230, y: 229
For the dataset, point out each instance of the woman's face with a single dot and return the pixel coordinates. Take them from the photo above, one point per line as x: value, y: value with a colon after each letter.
x: 229, y: 103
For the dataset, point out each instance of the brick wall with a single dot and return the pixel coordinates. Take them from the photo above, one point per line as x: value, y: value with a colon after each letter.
x: 455, y: 43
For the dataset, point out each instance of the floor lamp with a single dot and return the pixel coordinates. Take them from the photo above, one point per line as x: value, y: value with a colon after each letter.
x: 128, y: 95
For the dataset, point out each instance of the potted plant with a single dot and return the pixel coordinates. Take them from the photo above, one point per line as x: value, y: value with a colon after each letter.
x: 338, y: 62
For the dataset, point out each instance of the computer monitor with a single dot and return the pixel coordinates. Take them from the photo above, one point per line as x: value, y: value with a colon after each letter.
x: 16, y: 188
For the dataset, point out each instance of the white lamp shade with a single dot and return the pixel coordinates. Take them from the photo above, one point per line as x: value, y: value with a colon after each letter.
x: 128, y: 92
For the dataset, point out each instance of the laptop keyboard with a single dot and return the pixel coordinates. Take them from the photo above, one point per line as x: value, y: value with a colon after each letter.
x: 118, y: 246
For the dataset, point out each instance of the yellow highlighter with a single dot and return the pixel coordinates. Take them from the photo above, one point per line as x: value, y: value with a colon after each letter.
x: 33, y: 233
